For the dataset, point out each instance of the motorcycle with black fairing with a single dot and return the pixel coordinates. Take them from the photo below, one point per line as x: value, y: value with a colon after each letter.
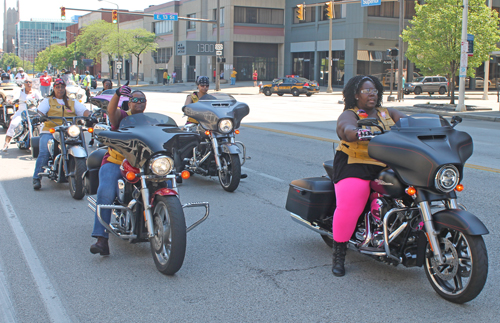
x: 412, y: 216
x: 27, y: 129
x: 219, y: 154
x: 148, y: 206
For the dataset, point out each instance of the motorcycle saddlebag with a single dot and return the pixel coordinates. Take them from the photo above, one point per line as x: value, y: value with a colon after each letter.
x: 311, y: 198
x: 91, y: 179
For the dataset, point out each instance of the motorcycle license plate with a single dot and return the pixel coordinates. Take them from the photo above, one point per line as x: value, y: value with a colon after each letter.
x: 10, y: 110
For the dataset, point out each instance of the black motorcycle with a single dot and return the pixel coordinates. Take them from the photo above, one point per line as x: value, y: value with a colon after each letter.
x: 412, y: 216
x: 68, y: 152
x: 27, y: 129
x: 148, y: 207
x: 219, y: 116
x: 7, y: 110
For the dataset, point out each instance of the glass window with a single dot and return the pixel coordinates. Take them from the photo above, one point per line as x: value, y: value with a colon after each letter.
x: 162, y: 55
x: 391, y: 9
x: 191, y: 24
x: 252, y: 15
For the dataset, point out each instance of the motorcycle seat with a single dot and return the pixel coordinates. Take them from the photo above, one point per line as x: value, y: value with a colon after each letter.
x: 328, y: 166
x: 95, y: 158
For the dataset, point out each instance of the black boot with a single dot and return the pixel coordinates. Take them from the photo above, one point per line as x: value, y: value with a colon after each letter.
x: 339, y: 250
x: 101, y: 247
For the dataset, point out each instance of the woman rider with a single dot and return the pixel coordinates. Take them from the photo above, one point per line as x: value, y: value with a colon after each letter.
x: 353, y: 168
x: 25, y: 95
x: 203, y: 83
x: 56, y: 105
x: 109, y: 173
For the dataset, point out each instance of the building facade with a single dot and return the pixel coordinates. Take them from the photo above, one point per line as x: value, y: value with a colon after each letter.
x: 360, y: 38
x: 252, y: 33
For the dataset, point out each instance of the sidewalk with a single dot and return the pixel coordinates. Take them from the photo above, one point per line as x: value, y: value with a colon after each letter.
x: 477, y: 108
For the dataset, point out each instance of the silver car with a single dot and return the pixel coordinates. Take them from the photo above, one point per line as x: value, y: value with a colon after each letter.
x: 428, y: 84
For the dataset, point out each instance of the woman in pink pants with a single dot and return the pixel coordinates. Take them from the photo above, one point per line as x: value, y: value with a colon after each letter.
x: 353, y: 168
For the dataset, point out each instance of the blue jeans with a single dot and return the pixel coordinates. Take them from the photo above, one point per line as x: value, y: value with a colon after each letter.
x: 233, y: 80
x: 109, y: 174
x: 43, y: 154
x: 45, y: 90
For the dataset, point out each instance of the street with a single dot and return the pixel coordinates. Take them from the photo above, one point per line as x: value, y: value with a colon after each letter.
x: 249, y: 262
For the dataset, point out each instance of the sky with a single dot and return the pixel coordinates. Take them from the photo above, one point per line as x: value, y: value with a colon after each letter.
x: 49, y: 9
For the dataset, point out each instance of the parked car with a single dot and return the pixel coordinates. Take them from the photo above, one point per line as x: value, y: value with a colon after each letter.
x: 428, y: 84
x: 291, y: 84
x: 93, y: 82
x: 102, y: 100
x: 479, y: 83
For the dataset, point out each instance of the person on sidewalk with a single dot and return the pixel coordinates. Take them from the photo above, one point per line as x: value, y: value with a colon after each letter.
x: 354, y: 169
x: 214, y: 75
x: 165, y: 77
x: 45, y: 81
x: 168, y: 78
x: 173, y: 77
x: 254, y: 77
x: 86, y: 84
x: 233, y: 76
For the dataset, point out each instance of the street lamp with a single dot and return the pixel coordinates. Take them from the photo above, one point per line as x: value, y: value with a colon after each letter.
x: 118, y: 29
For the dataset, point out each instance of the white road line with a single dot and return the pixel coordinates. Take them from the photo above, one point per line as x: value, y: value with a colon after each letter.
x: 262, y: 174
x: 52, y: 302
x: 7, y: 313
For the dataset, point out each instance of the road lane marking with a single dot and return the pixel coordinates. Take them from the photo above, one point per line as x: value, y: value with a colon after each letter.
x: 7, y: 313
x: 262, y: 174
x: 52, y: 302
x: 487, y: 169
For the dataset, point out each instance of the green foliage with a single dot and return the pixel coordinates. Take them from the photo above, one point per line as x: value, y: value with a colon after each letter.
x: 60, y: 57
x: 10, y: 59
x: 434, y: 35
x: 94, y: 39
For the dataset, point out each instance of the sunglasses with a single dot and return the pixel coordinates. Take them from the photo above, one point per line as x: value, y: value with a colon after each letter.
x: 60, y: 87
x: 137, y: 100
x: 27, y: 82
x: 204, y: 85
x: 369, y: 91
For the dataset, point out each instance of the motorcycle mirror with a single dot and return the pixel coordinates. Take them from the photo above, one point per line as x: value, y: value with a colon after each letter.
x: 456, y: 120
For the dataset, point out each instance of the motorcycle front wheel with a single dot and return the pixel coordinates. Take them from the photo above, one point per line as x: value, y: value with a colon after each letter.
x: 230, y: 175
x: 77, y: 166
x: 168, y: 245
x: 464, y: 274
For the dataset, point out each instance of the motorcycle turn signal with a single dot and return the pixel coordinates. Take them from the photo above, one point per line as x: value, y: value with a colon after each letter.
x: 411, y: 191
x: 185, y: 174
x: 237, y: 132
x: 459, y: 188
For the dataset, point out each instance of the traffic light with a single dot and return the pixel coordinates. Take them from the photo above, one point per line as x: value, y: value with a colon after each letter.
x: 392, y: 52
x: 63, y: 13
x: 329, y: 10
x: 300, y: 11
x: 114, y: 16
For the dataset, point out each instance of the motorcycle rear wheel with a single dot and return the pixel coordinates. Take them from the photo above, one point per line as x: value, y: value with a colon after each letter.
x: 327, y: 240
x: 464, y: 275
x: 230, y: 175
x: 78, y: 167
x: 168, y: 245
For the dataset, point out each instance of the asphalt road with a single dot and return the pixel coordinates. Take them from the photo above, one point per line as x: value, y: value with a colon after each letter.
x: 249, y: 262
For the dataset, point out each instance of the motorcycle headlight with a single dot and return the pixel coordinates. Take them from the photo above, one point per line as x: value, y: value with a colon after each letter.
x: 162, y: 165
x: 74, y: 131
x: 10, y: 110
x: 79, y: 96
x: 225, y: 126
x: 447, y: 178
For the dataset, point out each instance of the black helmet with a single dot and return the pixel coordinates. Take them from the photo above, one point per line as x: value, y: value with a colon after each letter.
x: 5, y: 76
x: 203, y: 80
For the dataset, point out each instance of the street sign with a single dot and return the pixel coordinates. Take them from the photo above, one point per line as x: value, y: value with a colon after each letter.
x: 463, y: 72
x: 367, y: 3
x: 118, y: 65
x: 75, y: 62
x: 166, y: 16
x: 219, y: 47
x: 218, y: 52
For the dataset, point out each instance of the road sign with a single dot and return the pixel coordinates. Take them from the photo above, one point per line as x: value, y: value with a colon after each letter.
x: 118, y: 65
x: 218, y: 52
x: 75, y: 62
x: 166, y: 16
x: 219, y: 47
x: 367, y: 3
x: 463, y: 72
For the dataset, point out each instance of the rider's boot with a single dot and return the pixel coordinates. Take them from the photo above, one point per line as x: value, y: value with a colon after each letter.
x: 101, y: 247
x: 339, y: 251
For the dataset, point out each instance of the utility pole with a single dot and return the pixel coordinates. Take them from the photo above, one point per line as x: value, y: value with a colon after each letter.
x: 329, y: 89
x: 217, y: 65
x: 463, y: 60
x: 401, y: 49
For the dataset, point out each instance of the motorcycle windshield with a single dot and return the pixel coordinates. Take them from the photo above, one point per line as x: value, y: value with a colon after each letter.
x: 216, y: 106
x: 142, y: 135
x: 418, y: 145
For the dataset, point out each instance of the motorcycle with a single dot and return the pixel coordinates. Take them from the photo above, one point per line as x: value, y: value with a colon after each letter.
x: 219, y: 116
x: 68, y: 154
x: 27, y: 129
x: 6, y: 112
x: 412, y: 216
x: 148, y: 206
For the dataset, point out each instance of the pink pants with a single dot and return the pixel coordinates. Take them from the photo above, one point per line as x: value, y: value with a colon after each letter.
x: 352, y: 194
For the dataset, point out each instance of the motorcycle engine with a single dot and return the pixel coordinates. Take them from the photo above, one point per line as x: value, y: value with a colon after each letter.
x: 378, y: 207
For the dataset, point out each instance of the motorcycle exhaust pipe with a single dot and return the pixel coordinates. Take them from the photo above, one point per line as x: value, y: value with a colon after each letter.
x: 311, y: 226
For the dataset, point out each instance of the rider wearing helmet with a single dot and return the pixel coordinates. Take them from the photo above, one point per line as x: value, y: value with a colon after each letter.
x: 203, y: 83
x: 5, y: 78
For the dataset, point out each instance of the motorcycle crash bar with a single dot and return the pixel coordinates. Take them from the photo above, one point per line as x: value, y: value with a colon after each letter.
x: 197, y: 204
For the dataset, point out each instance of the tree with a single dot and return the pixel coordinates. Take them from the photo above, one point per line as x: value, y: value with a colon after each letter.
x: 435, y: 32
x: 92, y: 41
x: 60, y: 57
x: 10, y: 60
x: 137, y: 41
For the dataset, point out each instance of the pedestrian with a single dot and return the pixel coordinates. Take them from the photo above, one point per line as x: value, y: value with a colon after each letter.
x: 222, y: 74
x: 11, y: 76
x: 45, y: 81
x: 21, y: 75
x: 214, y: 75
x: 165, y: 77
x: 173, y: 77
x: 254, y: 77
x: 86, y: 84
x: 233, y: 76
x: 75, y: 77
x: 168, y: 78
